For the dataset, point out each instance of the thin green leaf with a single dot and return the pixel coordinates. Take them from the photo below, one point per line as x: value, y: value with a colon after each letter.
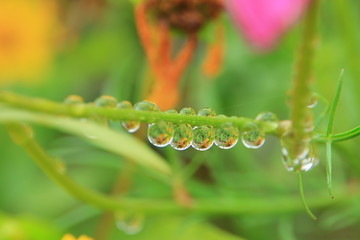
x: 105, y: 138
x: 302, y: 196
x: 329, y: 132
x: 335, y: 103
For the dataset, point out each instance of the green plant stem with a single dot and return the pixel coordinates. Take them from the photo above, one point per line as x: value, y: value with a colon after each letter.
x: 334, y: 104
x: 329, y: 168
x: 339, y: 137
x: 301, y: 93
x: 302, y: 196
x: 216, y: 206
x: 89, y: 110
x: 329, y: 132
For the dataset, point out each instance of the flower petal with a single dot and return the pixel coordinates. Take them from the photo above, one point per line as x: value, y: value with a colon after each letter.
x: 264, y: 21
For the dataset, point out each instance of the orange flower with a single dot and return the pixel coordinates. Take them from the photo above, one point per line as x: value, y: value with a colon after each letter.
x: 187, y: 16
x: 71, y: 237
x: 26, y: 28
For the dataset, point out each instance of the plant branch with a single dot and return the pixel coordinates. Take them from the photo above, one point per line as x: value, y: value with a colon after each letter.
x: 90, y: 110
x: 301, y: 93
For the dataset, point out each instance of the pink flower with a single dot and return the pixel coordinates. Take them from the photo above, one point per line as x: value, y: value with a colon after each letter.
x: 263, y: 22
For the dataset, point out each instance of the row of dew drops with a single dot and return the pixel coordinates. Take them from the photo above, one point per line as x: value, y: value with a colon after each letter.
x: 182, y: 136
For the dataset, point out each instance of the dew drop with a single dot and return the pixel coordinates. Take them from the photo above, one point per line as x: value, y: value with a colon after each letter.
x: 208, y: 112
x: 106, y: 101
x: 183, y: 133
x: 188, y: 111
x: 75, y: 102
x: 313, y: 101
x: 267, y: 117
x: 253, y: 137
x: 226, y: 137
x: 129, y: 223
x: 73, y: 99
x: 160, y: 134
x: 183, y: 137
x: 171, y: 111
x: 146, y: 106
x: 303, y: 160
x: 204, y: 137
x: 130, y: 126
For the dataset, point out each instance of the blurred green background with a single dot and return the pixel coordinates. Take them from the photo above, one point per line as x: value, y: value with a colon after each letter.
x: 98, y: 52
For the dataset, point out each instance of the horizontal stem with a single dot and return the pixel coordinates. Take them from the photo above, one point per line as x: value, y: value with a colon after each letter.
x: 90, y: 110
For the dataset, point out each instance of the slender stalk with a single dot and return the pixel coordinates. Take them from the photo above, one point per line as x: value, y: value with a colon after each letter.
x: 329, y: 168
x: 302, y: 196
x: 329, y: 132
x: 215, y: 206
x: 301, y: 92
x: 334, y: 104
x: 89, y: 110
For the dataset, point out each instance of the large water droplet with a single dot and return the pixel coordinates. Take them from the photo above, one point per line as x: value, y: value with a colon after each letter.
x: 183, y: 137
x: 302, y: 160
x: 226, y: 137
x: 160, y: 134
x: 129, y: 223
x: 208, y: 112
x: 267, y: 117
x: 146, y: 106
x: 130, y: 126
x: 106, y: 101
x: 187, y: 111
x: 253, y: 137
x: 76, y: 104
x: 313, y: 101
x: 204, y: 137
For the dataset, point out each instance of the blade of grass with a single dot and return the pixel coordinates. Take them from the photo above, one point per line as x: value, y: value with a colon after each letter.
x: 105, y: 138
x: 335, y: 103
x: 302, y: 196
x: 329, y: 132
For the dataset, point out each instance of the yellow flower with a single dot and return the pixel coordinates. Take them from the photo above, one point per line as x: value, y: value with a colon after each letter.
x: 27, y: 29
x: 71, y: 237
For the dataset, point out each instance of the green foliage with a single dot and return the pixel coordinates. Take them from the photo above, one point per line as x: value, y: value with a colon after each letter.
x: 243, y: 191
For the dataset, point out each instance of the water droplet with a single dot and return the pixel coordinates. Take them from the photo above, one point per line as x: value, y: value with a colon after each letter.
x: 226, y: 137
x: 188, y: 111
x: 129, y: 223
x: 160, y: 134
x: 106, y: 101
x: 204, y: 137
x: 304, y: 158
x: 146, y: 106
x: 73, y: 99
x: 267, y: 117
x: 253, y: 137
x: 313, y: 101
x: 171, y: 111
x: 183, y: 136
x: 130, y: 126
x: 76, y: 104
x: 208, y: 112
